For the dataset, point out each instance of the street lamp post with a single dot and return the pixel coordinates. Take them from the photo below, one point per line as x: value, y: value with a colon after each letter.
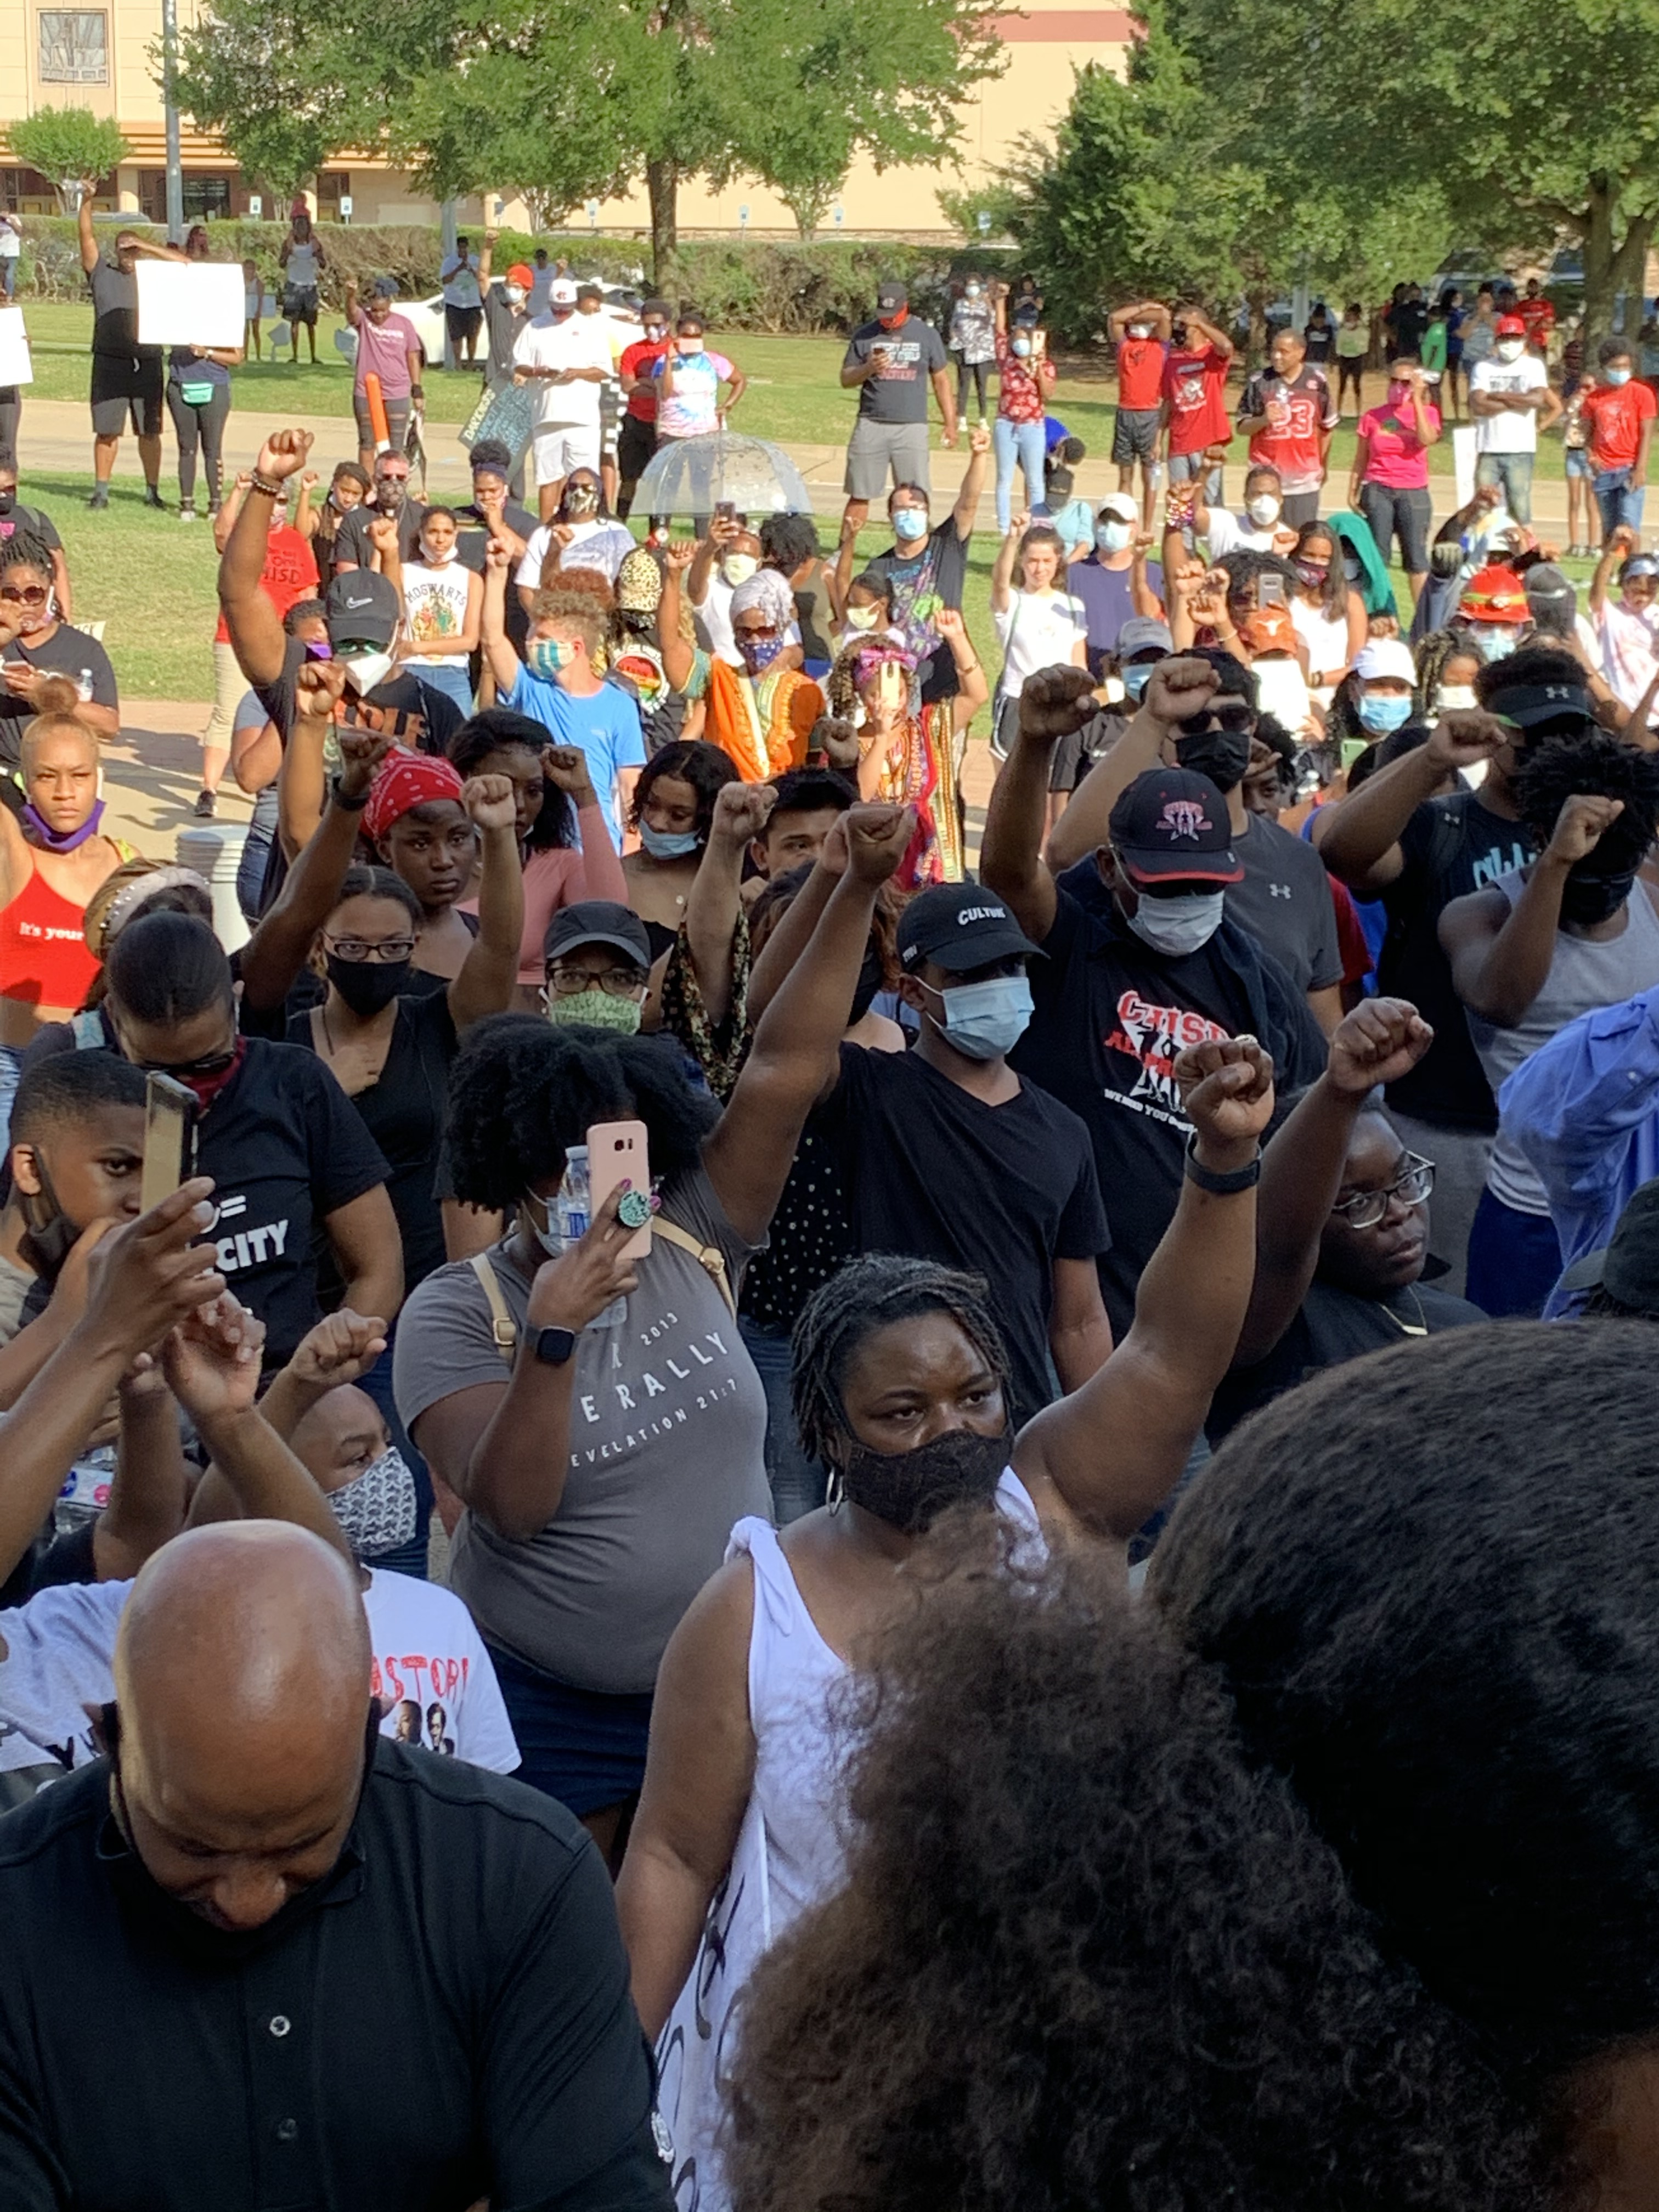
x: 175, y: 166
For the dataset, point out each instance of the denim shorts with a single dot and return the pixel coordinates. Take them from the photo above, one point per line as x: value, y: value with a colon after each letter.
x: 1576, y: 462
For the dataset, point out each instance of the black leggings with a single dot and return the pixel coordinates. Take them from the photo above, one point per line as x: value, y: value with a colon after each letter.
x: 976, y: 369
x: 205, y: 425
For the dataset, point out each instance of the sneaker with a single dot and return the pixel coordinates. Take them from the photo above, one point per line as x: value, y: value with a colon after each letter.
x: 100, y: 497
x: 206, y: 805
x: 187, y: 510
x: 214, y: 506
x: 152, y: 498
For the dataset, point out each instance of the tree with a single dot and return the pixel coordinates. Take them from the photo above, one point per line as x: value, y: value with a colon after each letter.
x: 67, y: 144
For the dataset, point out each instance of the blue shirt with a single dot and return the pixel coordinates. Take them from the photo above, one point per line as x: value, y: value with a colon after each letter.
x: 605, y: 725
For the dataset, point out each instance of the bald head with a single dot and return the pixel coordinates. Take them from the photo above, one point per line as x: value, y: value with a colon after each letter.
x: 242, y: 1675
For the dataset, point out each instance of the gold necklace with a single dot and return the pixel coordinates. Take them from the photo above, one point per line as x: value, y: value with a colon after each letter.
x: 1419, y: 1327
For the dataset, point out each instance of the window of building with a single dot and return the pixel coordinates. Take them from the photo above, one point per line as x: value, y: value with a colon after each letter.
x: 331, y: 185
x: 74, y: 47
x: 207, y: 198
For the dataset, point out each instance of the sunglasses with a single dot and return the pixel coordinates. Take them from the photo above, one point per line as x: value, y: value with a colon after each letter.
x: 1234, y: 719
x: 754, y: 636
x: 26, y: 595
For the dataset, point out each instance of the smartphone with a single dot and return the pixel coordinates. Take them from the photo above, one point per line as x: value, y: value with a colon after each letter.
x: 1039, y: 343
x: 1270, y: 592
x: 170, y: 1111
x: 1351, y: 749
x: 726, y: 509
x: 892, y: 685
x: 617, y: 1154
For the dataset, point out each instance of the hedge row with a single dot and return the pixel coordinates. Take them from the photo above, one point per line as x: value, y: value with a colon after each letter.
x: 739, y: 284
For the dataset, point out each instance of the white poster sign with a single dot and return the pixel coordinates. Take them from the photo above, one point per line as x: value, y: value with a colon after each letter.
x: 16, y: 367
x: 196, y: 303
x: 1463, y: 459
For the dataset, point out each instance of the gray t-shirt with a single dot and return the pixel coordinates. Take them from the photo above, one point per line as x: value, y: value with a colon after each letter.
x: 667, y: 1430
x: 115, y: 312
x: 1284, y: 901
x: 899, y: 394
x: 15, y: 1284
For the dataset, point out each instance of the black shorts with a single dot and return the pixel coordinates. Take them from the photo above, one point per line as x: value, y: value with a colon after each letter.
x: 636, y: 443
x: 1134, y: 436
x: 300, y: 303
x: 126, y: 390
x: 462, y: 323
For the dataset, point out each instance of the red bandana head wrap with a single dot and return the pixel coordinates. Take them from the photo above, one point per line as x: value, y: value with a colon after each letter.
x: 404, y: 780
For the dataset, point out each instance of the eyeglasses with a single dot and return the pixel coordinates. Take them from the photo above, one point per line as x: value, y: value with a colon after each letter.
x: 615, y: 982
x: 387, y: 949
x: 26, y: 595
x: 1367, y: 1207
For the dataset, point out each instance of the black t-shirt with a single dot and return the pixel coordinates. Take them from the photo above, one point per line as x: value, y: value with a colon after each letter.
x: 68, y: 652
x: 503, y: 324
x: 1450, y: 847
x: 1001, y: 1191
x: 1333, y: 1326
x: 1284, y: 903
x: 285, y: 1146
x: 115, y: 312
x: 1111, y: 1016
x: 404, y: 1113
x: 354, y: 548
x: 899, y: 394
x: 467, y: 1926
x: 918, y: 585
x: 34, y: 523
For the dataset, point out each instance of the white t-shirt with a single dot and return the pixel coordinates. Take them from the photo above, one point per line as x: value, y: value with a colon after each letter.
x: 1227, y: 534
x: 541, y: 284
x: 712, y: 622
x: 430, y: 1661
x: 301, y: 267
x: 1037, y: 629
x: 598, y: 544
x: 578, y: 342
x: 461, y: 291
x: 12, y: 238
x: 1508, y: 433
x: 1629, y: 650
x: 1326, y: 637
x: 434, y: 606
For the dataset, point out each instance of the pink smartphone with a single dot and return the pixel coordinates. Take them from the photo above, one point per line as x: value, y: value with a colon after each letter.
x: 617, y: 1154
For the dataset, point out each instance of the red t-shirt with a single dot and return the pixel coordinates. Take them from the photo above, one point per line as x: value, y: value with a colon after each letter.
x: 290, y: 574
x: 639, y: 360
x: 1539, y: 316
x: 1140, y: 374
x: 1615, y: 414
x: 1196, y: 386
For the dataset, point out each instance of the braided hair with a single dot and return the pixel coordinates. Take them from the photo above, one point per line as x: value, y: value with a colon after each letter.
x: 867, y: 1294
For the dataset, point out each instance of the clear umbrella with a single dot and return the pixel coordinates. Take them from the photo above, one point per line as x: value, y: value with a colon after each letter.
x: 694, y: 476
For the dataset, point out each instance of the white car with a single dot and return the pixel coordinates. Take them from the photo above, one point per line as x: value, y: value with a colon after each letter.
x: 619, y: 307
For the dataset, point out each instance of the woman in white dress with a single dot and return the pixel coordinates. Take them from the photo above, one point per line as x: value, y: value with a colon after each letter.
x: 898, y: 1383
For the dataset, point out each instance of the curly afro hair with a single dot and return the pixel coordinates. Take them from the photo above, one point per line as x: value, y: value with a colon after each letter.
x: 523, y: 1091
x: 1089, y: 1957
x: 1550, y: 774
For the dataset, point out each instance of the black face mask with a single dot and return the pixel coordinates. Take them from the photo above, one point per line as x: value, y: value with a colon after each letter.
x: 367, y: 986
x: 8, y: 500
x: 869, y: 983
x: 910, y: 1490
x: 1221, y: 755
x: 46, y: 1248
x: 1177, y: 334
x: 1588, y: 899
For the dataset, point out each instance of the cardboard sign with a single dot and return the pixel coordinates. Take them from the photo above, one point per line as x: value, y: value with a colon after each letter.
x: 197, y: 303
x: 16, y: 367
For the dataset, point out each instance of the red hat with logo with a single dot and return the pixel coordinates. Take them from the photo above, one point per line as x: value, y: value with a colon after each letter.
x: 1511, y: 326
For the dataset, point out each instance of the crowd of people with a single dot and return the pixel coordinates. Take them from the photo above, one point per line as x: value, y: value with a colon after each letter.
x: 774, y: 1485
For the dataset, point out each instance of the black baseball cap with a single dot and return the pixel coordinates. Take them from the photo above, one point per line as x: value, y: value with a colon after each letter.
x: 596, y: 921
x: 959, y: 926
x: 1528, y: 706
x: 1170, y: 824
x: 1627, y: 1266
x: 361, y: 608
x: 891, y: 293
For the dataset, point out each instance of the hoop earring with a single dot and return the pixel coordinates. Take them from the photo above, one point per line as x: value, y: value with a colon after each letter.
x: 834, y: 1494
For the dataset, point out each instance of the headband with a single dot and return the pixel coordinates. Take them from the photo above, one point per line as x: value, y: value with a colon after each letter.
x: 405, y: 780
x: 121, y: 909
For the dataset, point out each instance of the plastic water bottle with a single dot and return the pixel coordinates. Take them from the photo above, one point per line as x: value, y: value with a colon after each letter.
x: 571, y: 1207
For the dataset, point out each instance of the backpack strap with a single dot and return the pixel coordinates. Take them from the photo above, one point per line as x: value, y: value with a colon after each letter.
x: 708, y: 1257
x: 502, y: 1326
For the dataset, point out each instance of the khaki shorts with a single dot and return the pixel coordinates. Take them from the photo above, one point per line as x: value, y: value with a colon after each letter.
x: 876, y: 447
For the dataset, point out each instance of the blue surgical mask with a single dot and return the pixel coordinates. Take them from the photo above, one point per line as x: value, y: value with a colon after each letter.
x: 1021, y: 347
x: 1494, y: 640
x: 668, y: 844
x: 1615, y: 376
x: 983, y: 1021
x: 1137, y: 675
x: 1113, y: 536
x: 1380, y: 713
x: 1177, y: 926
x: 910, y: 522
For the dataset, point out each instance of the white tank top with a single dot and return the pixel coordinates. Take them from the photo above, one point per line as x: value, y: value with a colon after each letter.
x: 1326, y: 637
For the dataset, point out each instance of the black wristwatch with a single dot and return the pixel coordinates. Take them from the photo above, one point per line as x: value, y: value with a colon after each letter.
x: 554, y: 1347
x: 351, y: 803
x: 1219, y: 1185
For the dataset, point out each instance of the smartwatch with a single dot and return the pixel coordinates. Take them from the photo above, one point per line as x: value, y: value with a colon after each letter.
x: 555, y: 1346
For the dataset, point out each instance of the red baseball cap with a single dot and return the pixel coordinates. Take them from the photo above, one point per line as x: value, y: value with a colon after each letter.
x: 1511, y: 326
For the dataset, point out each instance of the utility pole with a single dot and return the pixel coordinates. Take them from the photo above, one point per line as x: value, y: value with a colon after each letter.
x: 175, y: 166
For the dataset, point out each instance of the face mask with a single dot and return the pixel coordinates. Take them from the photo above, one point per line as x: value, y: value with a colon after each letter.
x: 1457, y: 698
x: 973, y: 291
x: 548, y: 655
x: 986, y: 1020
x: 1380, y: 713
x: 1137, y: 676
x: 1177, y: 334
x: 1615, y: 376
x: 376, y: 1513
x: 1350, y: 567
x: 437, y: 557
x: 737, y: 567
x: 1315, y: 574
x: 1221, y: 755
x: 668, y: 844
x: 1493, y: 643
x: 367, y: 986
x: 1588, y: 899
x: 869, y: 982
x: 910, y: 1490
x: 1176, y: 927
x: 687, y: 348
x: 909, y: 523
x: 863, y: 618
x: 514, y: 294
x: 1510, y: 349
x: 389, y: 493
x: 1113, y: 536
x: 596, y: 1010
x: 8, y: 501
x: 1140, y: 330
x: 1021, y: 347
x: 759, y: 652
x: 364, y: 670
x: 1264, y: 508
x: 581, y: 499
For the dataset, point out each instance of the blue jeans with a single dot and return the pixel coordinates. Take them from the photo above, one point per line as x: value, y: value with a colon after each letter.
x: 797, y: 1483
x: 1514, y: 472
x: 1021, y: 441
x: 1184, y: 467
x: 1514, y: 1260
x: 1617, y: 499
x: 453, y: 683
